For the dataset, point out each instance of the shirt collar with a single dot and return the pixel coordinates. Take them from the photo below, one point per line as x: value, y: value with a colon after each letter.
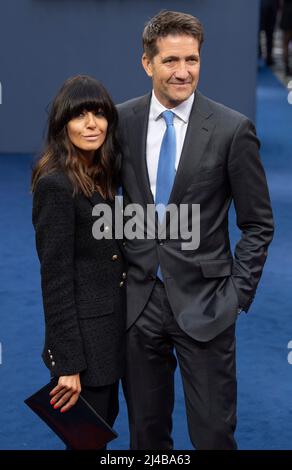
x: 182, y: 111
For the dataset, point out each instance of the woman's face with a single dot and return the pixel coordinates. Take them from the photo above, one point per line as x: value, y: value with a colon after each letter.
x: 88, y: 131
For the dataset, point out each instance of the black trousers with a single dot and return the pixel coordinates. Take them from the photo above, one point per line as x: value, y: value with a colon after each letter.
x: 104, y: 400
x: 208, y: 374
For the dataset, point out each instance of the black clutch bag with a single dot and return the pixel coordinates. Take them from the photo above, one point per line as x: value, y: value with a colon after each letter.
x: 80, y: 428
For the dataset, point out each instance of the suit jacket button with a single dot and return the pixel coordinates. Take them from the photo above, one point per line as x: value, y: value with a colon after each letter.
x: 114, y: 257
x: 121, y: 284
x: 49, y: 351
x: 53, y: 363
x: 51, y: 357
x: 124, y: 275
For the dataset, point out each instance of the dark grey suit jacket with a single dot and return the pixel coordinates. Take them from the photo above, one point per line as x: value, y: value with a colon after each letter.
x: 83, y: 285
x: 220, y: 162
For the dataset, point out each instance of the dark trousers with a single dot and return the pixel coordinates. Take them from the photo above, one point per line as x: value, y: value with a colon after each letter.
x: 104, y: 400
x: 267, y: 24
x: 208, y: 374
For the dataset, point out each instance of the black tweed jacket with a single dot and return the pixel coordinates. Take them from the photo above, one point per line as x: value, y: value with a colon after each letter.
x: 83, y: 285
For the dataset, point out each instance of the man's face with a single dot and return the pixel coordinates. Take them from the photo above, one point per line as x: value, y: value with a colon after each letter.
x: 175, y: 69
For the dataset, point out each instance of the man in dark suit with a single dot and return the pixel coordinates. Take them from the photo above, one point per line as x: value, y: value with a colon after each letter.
x: 181, y: 148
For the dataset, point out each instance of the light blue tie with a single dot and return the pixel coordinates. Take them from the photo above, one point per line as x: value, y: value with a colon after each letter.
x: 166, y: 169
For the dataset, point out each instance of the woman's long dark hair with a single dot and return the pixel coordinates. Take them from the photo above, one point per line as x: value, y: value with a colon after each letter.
x: 76, y: 95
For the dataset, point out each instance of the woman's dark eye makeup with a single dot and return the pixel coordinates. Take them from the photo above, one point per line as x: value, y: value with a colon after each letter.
x: 98, y: 112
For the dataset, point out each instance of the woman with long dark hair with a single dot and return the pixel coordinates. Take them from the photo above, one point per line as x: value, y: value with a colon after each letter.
x: 83, y: 278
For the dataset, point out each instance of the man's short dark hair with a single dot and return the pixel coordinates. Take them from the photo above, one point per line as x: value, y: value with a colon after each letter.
x: 170, y: 22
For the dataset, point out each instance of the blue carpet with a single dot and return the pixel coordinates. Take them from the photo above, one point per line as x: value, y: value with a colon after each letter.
x: 264, y: 375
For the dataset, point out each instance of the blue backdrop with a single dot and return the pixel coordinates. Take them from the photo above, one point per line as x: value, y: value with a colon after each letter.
x: 43, y: 42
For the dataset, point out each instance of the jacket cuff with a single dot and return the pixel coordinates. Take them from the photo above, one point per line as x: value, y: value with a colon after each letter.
x: 58, y: 365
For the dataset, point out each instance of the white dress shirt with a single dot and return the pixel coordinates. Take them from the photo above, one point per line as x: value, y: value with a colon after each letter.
x: 156, y: 130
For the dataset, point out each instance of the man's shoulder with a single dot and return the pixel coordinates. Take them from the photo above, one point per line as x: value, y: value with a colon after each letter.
x: 129, y: 105
x: 221, y: 111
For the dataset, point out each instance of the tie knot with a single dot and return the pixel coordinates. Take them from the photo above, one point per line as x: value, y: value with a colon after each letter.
x: 168, y: 117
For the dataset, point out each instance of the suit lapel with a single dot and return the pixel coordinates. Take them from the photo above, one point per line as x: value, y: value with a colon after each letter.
x: 197, y: 136
x: 138, y: 131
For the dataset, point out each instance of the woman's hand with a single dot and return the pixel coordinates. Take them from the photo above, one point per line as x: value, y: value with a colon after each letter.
x: 66, y: 392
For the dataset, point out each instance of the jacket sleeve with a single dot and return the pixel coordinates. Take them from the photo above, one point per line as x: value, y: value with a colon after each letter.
x: 54, y: 223
x: 253, y: 211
